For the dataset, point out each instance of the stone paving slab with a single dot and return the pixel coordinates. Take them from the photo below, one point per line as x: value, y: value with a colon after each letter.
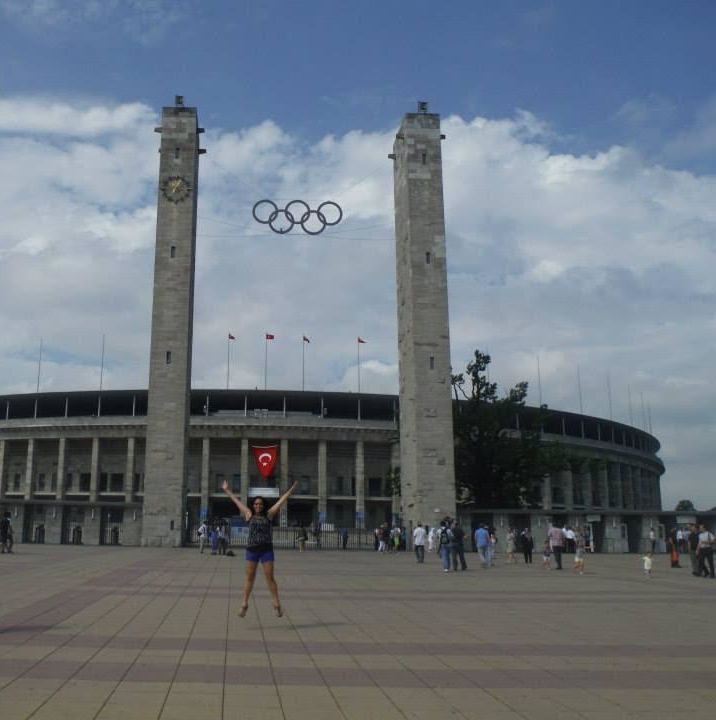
x: 108, y: 632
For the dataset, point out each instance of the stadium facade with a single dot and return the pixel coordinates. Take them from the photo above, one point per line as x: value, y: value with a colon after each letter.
x: 145, y: 467
x: 73, y: 466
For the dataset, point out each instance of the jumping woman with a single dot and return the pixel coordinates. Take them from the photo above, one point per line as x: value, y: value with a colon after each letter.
x: 260, y: 546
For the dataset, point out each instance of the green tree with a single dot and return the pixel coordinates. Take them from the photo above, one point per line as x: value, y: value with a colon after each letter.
x: 499, y: 460
x: 685, y: 506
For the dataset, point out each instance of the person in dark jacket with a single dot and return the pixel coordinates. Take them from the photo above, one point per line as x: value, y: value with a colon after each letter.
x: 527, y: 544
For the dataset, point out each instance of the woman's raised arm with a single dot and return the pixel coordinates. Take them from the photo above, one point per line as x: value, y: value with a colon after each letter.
x: 243, y: 509
x: 281, y: 501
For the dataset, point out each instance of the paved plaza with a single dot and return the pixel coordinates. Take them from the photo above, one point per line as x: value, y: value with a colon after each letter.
x: 111, y: 632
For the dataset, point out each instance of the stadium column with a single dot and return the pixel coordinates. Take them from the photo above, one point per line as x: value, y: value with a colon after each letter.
x: 322, y: 481
x: 587, y: 480
x: 603, y: 484
x: 547, y: 492
x: 165, y: 483
x: 427, y: 468
x: 360, y: 484
x: 244, y: 490
x: 283, y: 454
x: 205, y: 481
x: 3, y: 482
x: 130, y: 464
x: 94, y: 470
x: 61, y: 468
x: 29, y: 468
x: 567, y: 480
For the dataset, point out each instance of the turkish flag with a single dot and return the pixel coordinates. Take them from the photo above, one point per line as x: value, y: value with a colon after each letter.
x: 266, y: 457
x: 270, y: 336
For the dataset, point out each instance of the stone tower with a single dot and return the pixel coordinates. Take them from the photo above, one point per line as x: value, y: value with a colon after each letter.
x: 426, y: 426
x: 165, y: 479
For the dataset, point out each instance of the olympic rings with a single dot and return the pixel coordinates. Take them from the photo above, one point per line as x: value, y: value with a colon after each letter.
x: 312, y: 222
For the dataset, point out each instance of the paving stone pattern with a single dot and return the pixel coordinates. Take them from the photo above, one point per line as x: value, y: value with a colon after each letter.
x: 118, y: 633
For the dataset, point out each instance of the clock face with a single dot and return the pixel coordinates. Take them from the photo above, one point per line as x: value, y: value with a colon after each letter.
x: 176, y: 188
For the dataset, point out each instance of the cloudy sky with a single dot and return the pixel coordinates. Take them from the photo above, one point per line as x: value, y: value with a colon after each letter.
x: 579, y: 171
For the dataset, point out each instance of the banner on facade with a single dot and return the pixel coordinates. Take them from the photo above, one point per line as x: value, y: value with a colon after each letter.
x: 264, y: 492
x: 266, y: 456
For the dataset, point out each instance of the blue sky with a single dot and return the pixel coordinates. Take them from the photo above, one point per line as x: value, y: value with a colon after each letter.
x: 579, y: 184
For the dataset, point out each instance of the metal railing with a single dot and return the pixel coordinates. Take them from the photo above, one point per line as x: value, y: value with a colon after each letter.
x: 288, y: 538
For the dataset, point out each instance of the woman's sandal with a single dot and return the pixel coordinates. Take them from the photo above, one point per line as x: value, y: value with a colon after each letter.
x: 278, y: 610
x: 243, y: 610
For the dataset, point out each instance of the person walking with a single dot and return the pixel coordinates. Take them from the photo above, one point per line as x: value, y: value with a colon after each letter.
x: 528, y: 545
x: 557, y: 542
x: 482, y: 543
x: 6, y: 538
x: 419, y: 536
x: 259, y: 548
x: 705, y: 552
x: 511, y: 546
x: 445, y: 538
x: 458, y: 546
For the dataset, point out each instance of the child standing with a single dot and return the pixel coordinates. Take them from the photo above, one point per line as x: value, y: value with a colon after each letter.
x: 578, y: 565
x: 647, y: 564
x: 546, y: 555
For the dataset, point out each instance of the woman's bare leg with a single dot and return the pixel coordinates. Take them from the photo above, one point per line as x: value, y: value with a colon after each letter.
x: 272, y: 587
x: 248, y: 586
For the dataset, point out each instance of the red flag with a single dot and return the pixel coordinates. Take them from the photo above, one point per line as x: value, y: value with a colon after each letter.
x: 266, y: 457
x: 269, y: 336
x: 231, y: 337
x: 361, y: 341
x: 305, y: 339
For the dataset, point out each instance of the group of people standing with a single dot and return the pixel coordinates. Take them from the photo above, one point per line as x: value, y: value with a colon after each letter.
x: 699, y: 542
x: 448, y: 539
x: 389, y: 539
x: 218, y: 537
x: 565, y: 540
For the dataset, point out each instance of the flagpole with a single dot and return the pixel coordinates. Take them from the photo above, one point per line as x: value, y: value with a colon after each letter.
x: 228, y: 350
x: 265, y: 359
x: 539, y: 383
x: 579, y: 387
x: 358, y: 344
x: 303, y: 363
x: 39, y: 366
x: 101, y: 367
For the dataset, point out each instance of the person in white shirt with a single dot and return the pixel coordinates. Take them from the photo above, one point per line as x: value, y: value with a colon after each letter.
x: 202, y: 536
x: 432, y: 538
x: 705, y: 552
x: 419, y: 535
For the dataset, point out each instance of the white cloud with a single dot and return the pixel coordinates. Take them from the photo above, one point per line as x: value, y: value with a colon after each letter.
x: 143, y: 21
x: 599, y: 262
x: 28, y: 116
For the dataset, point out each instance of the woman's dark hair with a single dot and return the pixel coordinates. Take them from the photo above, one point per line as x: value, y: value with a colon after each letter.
x: 254, y: 499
